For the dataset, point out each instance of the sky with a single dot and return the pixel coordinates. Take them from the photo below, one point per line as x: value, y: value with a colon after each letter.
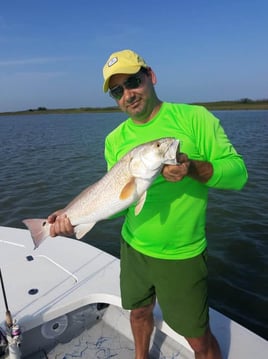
x: 52, y: 52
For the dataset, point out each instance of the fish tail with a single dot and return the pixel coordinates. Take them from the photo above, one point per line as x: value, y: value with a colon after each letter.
x: 39, y: 229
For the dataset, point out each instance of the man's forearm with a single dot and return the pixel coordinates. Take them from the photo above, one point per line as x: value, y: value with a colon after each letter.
x: 200, y: 170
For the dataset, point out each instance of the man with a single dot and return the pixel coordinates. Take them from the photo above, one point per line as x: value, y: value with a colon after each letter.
x: 163, y: 250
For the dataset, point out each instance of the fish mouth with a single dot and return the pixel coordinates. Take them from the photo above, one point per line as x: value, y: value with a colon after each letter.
x: 171, y: 152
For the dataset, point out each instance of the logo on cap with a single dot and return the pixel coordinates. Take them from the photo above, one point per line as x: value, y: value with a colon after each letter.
x: 112, y: 61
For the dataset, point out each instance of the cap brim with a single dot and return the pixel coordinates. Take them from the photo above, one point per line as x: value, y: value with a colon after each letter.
x: 121, y: 70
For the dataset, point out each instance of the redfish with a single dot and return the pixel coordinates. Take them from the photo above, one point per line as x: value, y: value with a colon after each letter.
x: 125, y: 183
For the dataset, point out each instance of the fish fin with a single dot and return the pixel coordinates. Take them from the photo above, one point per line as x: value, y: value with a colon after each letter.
x: 128, y: 189
x: 39, y: 229
x: 81, y: 229
x: 140, y: 203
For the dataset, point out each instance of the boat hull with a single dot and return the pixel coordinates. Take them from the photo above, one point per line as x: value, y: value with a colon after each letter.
x: 55, y: 291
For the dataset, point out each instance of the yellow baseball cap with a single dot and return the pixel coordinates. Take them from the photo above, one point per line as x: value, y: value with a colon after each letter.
x: 121, y: 62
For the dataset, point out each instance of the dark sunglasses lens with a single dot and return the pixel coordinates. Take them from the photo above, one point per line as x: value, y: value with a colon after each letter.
x: 132, y: 82
x: 117, y: 92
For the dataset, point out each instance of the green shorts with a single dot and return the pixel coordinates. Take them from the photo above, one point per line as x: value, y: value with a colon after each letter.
x: 180, y: 287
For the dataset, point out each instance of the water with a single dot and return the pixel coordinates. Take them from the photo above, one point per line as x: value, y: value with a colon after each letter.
x: 46, y: 160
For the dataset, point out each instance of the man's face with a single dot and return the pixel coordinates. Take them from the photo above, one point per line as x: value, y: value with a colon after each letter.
x: 133, y: 93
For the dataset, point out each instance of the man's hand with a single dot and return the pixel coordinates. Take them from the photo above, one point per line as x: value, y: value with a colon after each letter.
x: 60, y: 224
x: 200, y: 171
x: 175, y: 173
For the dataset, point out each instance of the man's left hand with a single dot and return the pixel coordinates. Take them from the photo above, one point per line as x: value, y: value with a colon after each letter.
x: 175, y: 173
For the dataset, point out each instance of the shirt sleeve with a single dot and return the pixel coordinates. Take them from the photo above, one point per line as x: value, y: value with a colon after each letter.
x: 229, y: 170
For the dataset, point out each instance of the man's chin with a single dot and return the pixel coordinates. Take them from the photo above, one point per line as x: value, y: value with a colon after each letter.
x: 135, y: 108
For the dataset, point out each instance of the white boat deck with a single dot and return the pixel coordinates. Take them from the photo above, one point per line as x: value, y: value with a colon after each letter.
x: 63, y: 275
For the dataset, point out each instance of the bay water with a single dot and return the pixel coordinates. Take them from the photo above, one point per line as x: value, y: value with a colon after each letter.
x: 46, y: 160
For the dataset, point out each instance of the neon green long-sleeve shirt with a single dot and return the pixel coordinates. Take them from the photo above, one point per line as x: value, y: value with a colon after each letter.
x: 171, y: 224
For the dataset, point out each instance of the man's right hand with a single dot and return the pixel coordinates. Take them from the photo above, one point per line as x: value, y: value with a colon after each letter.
x: 60, y: 224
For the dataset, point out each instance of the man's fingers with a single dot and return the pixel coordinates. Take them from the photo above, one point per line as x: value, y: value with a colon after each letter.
x: 181, y: 157
x: 176, y: 173
x: 53, y: 216
x: 61, y: 226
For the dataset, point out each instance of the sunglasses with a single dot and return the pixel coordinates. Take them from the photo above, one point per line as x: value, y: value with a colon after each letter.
x: 133, y: 82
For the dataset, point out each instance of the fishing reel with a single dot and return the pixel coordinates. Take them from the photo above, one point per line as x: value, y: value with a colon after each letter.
x: 10, y: 339
x: 3, y: 343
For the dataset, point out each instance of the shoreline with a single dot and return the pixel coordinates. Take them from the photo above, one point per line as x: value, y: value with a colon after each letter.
x: 211, y: 106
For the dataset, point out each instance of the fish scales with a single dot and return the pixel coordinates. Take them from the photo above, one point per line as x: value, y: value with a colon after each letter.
x: 125, y: 183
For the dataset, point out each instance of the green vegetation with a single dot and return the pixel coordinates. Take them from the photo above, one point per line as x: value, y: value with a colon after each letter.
x: 43, y: 110
x: 243, y: 104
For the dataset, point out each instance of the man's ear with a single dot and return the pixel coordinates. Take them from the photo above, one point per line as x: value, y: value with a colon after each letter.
x: 152, y: 75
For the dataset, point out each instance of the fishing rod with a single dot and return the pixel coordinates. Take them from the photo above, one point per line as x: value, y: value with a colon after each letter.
x: 13, y: 334
x: 9, y: 320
